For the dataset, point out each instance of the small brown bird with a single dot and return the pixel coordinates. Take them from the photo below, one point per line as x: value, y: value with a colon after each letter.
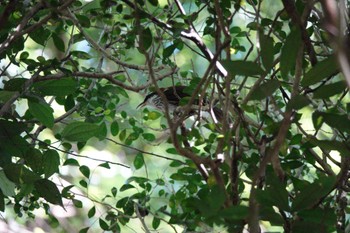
x: 174, y: 95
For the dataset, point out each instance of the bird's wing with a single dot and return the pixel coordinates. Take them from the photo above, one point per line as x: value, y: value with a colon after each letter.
x: 175, y: 94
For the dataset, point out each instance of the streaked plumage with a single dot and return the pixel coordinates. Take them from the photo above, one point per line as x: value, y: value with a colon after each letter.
x: 174, y: 95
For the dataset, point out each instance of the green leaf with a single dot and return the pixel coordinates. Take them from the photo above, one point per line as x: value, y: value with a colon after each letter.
x: 168, y: 51
x: 154, y: 115
x: 91, y: 212
x: 122, y: 135
x: 58, y: 42
x: 340, y: 122
x: 6, y: 186
x: 289, y: 53
x: 177, y: 176
x: 81, y: 54
x: 15, y: 84
x: 77, y: 203
x: 139, y: 161
x: 215, y: 199
x: 320, y: 71
x: 42, y: 112
x: 341, y: 147
x: 146, y: 38
x: 137, y: 179
x: 72, y: 162
x: 104, y: 226
x: 298, y: 102
x: 24, y: 55
x: 18, y: 174
x: 80, y: 131
x: 49, y: 191
x: 84, y: 230
x: 85, y: 170
x: 149, y: 137
x: 104, y: 165
x: 83, y: 183
x: 59, y: 87
x: 274, y: 195
x: 176, y: 164
x: 51, y: 162
x: 235, y: 212
x: 2, y: 202
x: 6, y: 95
x: 155, y: 223
x: 34, y: 159
x: 114, y: 191
x: 265, y: 90
x: 171, y: 151
x: 329, y: 90
x: 153, y: 2
x: 83, y: 20
x: 40, y: 35
x: 267, y: 52
x: 114, y: 128
x: 311, y: 194
x: 13, y: 145
x: 326, y: 215
x: 269, y: 214
x: 244, y: 68
x: 126, y: 187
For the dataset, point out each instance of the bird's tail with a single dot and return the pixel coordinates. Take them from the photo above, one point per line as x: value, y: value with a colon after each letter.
x: 218, y: 113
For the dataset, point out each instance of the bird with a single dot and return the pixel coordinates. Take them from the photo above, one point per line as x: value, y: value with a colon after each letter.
x: 176, y: 96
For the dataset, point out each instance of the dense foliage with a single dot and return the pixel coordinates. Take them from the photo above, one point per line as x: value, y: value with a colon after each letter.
x: 73, y: 72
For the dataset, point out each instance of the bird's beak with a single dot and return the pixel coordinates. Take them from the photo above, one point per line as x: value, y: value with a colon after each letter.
x: 143, y: 104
